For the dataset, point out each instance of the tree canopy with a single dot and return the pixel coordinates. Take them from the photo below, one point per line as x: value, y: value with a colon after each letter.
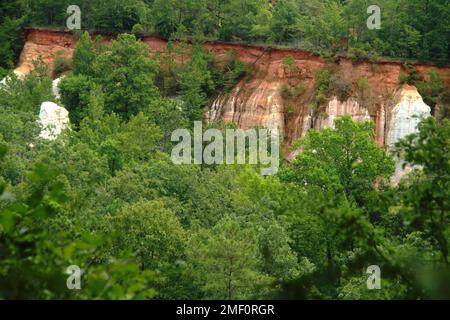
x: 410, y: 29
x: 106, y: 196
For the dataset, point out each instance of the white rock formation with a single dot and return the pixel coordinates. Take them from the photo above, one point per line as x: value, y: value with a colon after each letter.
x: 53, y: 119
x: 337, y: 109
x: 274, y: 119
x: 55, y: 87
x: 406, y: 115
x: 306, y: 124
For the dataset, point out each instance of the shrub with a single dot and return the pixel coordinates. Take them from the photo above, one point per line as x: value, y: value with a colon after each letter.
x: 137, y: 29
x: 61, y: 64
x: 321, y: 99
x: 289, y: 110
x: 3, y: 72
x: 298, y: 91
x: 75, y: 91
x: 323, y: 114
x: 432, y: 89
x: 363, y: 85
x: 409, y: 75
x: 288, y: 60
x: 323, y: 86
x: 323, y: 80
x: 292, y: 93
x: 358, y: 54
x: 285, y: 92
x: 445, y: 97
x: 343, y: 88
x: 10, y: 41
x: 231, y: 73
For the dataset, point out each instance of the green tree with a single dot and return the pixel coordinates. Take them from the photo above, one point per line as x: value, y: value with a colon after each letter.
x: 195, y: 83
x: 84, y: 56
x: 10, y: 40
x: 151, y: 231
x: 426, y: 201
x: 285, y: 20
x: 139, y: 138
x: 345, y: 159
x: 226, y: 261
x: 126, y: 74
x: 117, y: 15
x: 431, y: 90
x: 35, y: 255
x: 75, y: 94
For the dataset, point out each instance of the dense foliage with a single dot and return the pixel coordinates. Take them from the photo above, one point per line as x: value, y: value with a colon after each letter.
x: 414, y: 29
x: 106, y: 196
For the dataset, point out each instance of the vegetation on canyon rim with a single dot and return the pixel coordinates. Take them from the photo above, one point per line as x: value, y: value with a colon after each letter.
x: 413, y: 29
x: 106, y: 196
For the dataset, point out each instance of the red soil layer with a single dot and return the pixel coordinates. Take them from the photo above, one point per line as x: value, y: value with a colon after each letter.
x: 257, y: 99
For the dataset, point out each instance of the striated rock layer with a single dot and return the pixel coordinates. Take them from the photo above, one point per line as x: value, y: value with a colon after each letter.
x: 406, y: 114
x: 55, y: 87
x: 258, y: 100
x: 409, y: 110
x: 336, y: 108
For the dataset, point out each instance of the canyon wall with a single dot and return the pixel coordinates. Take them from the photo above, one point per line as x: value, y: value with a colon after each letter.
x: 280, y: 93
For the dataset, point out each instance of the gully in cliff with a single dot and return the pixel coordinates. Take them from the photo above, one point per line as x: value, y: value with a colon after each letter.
x: 262, y: 147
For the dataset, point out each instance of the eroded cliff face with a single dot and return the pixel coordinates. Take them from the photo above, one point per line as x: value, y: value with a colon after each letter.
x: 280, y: 94
x: 408, y: 111
x: 406, y: 114
x: 259, y: 101
x: 45, y: 44
x: 336, y: 108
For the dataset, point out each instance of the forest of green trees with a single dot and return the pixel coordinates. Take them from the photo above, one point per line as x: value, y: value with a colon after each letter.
x: 413, y: 29
x: 106, y: 196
